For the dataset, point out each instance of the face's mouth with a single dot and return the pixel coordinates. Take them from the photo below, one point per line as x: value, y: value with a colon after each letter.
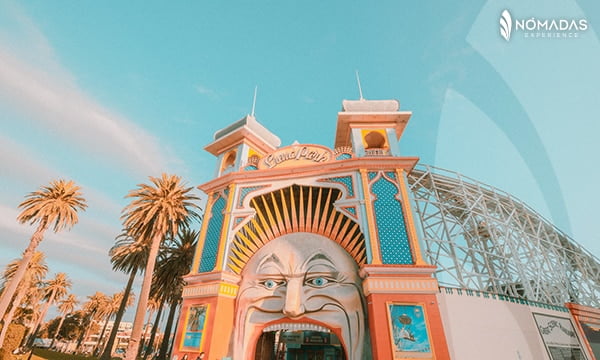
x: 287, y: 325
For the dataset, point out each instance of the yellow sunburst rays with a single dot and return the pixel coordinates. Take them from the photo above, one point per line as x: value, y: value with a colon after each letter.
x: 296, y: 209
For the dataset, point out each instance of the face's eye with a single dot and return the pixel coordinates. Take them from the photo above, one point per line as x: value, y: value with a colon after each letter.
x: 271, y: 284
x: 318, y: 281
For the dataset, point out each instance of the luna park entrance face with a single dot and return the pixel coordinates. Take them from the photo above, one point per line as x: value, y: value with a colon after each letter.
x: 301, y: 297
x: 299, y: 345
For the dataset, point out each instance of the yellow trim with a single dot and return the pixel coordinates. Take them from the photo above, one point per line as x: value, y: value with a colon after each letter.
x: 391, y: 329
x: 408, y: 219
x: 371, y: 224
x: 228, y: 289
x: 202, y: 237
x: 187, y: 319
x: 225, y: 229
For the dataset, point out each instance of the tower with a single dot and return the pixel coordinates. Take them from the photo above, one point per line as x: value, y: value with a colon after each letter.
x: 310, y: 250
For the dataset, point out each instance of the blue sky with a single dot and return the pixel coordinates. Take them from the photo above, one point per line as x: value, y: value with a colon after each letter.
x: 108, y: 93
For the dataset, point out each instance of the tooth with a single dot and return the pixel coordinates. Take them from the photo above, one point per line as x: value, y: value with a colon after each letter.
x: 296, y: 327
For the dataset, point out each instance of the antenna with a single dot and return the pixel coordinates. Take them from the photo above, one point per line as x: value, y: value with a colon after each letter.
x: 359, y: 88
x: 254, y: 101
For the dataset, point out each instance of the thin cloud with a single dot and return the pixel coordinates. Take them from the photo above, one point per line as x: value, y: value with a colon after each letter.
x: 17, y: 163
x: 206, y: 91
x: 75, y: 117
x: 33, y: 83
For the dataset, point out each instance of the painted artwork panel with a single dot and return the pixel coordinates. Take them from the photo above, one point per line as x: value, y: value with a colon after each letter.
x: 408, y: 330
x: 195, y: 326
x: 559, y: 337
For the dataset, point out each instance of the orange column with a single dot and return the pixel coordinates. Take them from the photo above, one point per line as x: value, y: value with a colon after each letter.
x: 216, y: 291
x: 402, y: 285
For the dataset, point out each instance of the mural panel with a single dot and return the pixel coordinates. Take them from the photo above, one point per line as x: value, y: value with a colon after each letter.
x: 559, y: 337
x: 408, y: 331
x: 194, y: 328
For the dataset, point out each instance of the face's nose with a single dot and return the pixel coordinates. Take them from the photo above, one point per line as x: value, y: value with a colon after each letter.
x: 294, y: 306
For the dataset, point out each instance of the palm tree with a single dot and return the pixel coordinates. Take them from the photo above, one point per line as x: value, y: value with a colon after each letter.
x: 173, y: 264
x: 54, y: 290
x: 92, y: 308
x: 66, y: 306
x: 128, y: 256
x: 55, y: 204
x: 112, y: 307
x: 155, y: 212
x: 36, y: 271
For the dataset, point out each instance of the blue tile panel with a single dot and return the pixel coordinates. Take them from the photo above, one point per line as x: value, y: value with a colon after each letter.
x: 391, y: 228
x: 390, y: 174
x: 344, y: 180
x: 213, y: 233
x: 245, y: 191
x: 343, y: 157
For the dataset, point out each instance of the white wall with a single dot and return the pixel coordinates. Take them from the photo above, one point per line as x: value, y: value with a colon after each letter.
x: 477, y: 327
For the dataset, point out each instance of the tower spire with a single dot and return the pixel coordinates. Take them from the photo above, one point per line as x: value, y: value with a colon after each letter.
x: 359, y: 87
x: 254, y: 101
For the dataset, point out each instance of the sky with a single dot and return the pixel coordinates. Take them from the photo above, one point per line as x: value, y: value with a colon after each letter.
x: 109, y: 93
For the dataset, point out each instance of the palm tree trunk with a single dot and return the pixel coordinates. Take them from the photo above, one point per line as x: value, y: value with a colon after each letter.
x: 164, y: 346
x: 138, y: 323
x: 101, y: 336
x: 9, y: 290
x: 154, y: 329
x: 62, y: 319
x: 145, y: 334
x: 106, y: 354
x: 174, y: 331
x: 9, y: 315
x: 86, y: 329
x: 40, y: 319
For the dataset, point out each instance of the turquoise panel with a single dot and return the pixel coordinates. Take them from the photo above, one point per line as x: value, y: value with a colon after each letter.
x: 391, y: 228
x: 213, y: 233
x: 343, y: 157
x: 247, y: 190
x: 344, y: 180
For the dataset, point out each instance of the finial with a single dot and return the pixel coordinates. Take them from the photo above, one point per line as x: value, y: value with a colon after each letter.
x: 359, y: 88
x: 254, y: 101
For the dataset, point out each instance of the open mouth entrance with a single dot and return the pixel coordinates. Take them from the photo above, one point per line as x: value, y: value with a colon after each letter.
x: 299, y: 345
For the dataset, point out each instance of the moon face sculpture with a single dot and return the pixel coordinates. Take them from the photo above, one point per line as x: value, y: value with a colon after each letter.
x: 302, y: 281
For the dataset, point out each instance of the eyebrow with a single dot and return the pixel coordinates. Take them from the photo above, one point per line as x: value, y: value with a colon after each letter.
x: 271, y: 258
x: 319, y: 256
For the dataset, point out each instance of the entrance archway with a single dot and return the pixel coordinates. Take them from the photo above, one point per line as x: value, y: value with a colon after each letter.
x: 299, y: 345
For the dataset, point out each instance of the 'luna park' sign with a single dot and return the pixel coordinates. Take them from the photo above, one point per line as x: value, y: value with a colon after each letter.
x: 296, y: 155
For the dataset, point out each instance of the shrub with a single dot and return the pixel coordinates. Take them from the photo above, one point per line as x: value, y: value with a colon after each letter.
x: 13, y: 338
x: 5, y: 354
